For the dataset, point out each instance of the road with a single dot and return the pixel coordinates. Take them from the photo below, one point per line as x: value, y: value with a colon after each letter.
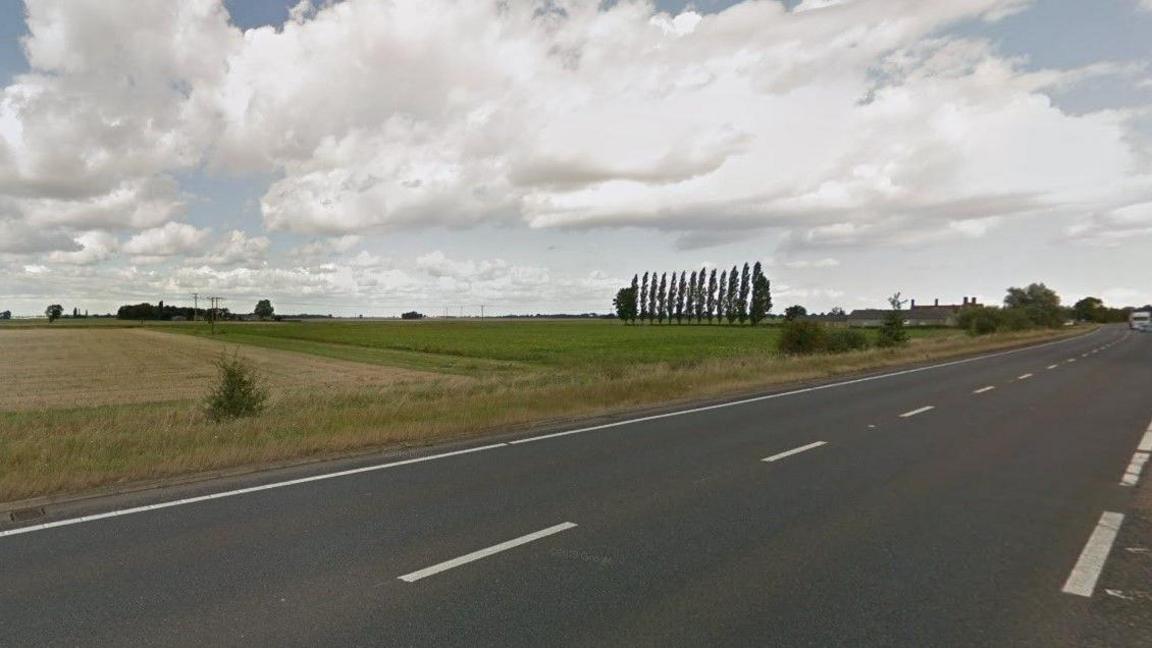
x: 958, y: 505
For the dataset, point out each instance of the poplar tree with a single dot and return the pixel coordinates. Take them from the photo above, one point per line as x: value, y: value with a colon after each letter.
x: 710, y: 299
x: 652, y: 300
x: 745, y: 286
x: 693, y: 297
x: 680, y: 294
x: 635, y: 299
x: 662, y: 298
x: 722, y: 297
x: 761, y: 295
x: 701, y: 294
x: 644, y: 298
x: 672, y: 298
x: 730, y: 295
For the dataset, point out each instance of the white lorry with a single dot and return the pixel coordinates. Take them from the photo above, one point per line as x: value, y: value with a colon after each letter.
x: 1140, y: 321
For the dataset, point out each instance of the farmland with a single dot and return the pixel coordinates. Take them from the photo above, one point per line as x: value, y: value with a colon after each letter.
x: 102, y: 406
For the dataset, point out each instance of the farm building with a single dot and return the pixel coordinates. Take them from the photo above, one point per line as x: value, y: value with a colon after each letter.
x: 935, y: 315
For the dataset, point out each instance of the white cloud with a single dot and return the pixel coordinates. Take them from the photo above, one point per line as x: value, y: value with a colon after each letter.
x: 95, y: 246
x: 237, y: 248
x: 169, y: 240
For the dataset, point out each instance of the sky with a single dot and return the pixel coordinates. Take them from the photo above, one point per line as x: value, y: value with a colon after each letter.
x: 530, y: 156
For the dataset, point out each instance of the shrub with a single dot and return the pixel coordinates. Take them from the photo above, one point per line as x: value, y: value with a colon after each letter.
x: 239, y: 392
x: 799, y: 336
x: 843, y: 340
x: 892, y: 333
x: 980, y: 320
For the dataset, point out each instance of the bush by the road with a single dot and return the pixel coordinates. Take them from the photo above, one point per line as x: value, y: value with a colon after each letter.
x: 843, y: 340
x: 239, y: 392
x: 800, y: 337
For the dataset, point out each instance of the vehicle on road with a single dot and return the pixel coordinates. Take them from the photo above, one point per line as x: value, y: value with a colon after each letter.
x: 1140, y: 321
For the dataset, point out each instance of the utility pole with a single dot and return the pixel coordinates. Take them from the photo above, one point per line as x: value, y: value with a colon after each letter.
x: 481, y: 311
x: 195, y: 305
x: 215, y: 301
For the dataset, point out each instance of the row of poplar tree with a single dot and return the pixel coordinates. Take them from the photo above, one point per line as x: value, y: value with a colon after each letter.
x: 742, y: 296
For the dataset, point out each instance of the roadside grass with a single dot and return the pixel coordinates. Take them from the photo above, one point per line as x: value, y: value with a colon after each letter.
x: 53, y: 451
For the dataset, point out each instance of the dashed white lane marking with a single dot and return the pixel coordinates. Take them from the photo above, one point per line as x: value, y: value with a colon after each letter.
x: 1070, y: 360
x: 1053, y: 366
x: 1132, y: 474
x: 918, y: 411
x: 1082, y: 580
x: 793, y: 451
x: 984, y: 389
x: 1146, y: 442
x: 1024, y: 376
x: 484, y: 553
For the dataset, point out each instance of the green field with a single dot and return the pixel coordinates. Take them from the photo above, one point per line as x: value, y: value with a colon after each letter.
x: 473, y: 345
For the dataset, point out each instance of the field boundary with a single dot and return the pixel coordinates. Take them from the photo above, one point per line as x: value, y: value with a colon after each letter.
x: 196, y: 484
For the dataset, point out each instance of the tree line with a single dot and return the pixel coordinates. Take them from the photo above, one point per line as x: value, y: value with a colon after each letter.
x: 737, y: 295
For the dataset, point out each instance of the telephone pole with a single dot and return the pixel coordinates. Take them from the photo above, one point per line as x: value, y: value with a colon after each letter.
x: 195, y: 305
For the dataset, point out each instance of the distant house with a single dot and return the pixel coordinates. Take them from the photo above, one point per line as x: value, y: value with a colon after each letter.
x: 867, y: 317
x: 935, y: 315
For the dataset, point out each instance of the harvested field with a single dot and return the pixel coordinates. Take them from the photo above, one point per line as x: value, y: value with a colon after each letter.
x: 46, y: 368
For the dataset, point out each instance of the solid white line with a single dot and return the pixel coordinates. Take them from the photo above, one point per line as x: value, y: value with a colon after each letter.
x: 1024, y: 377
x: 736, y: 403
x: 1132, y: 475
x: 918, y: 411
x: 1082, y: 580
x: 1053, y: 366
x: 484, y: 553
x: 984, y: 389
x: 242, y: 491
x: 789, y: 453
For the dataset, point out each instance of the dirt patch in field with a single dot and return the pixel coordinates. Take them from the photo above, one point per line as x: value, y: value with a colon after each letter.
x: 44, y: 368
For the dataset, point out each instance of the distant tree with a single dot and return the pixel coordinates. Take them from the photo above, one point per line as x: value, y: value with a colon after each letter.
x: 731, y: 296
x: 681, y: 298
x: 644, y: 298
x: 672, y: 292
x: 722, y: 296
x: 794, y: 311
x: 701, y: 294
x: 54, y: 312
x: 1038, y: 302
x: 625, y: 304
x: 836, y: 311
x: 761, y: 302
x: 745, y: 288
x: 264, y: 309
x: 75, y: 312
x: 5, y: 315
x: 411, y: 315
x: 635, y: 298
x: 693, y: 297
x: 1090, y: 309
x: 892, y: 332
x: 652, y: 289
x: 710, y: 298
x: 662, y: 298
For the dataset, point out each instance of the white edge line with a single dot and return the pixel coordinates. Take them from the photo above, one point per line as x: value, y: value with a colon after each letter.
x: 1082, y: 580
x: 919, y: 410
x: 793, y: 451
x: 242, y: 491
x: 1146, y: 442
x: 1135, y: 467
x: 484, y: 553
x: 794, y: 392
x: 984, y: 389
x: 755, y: 399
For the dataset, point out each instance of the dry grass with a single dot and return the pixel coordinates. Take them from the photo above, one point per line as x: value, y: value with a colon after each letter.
x: 53, y: 451
x: 52, y: 368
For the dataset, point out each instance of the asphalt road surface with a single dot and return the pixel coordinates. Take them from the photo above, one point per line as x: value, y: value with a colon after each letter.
x: 969, y: 504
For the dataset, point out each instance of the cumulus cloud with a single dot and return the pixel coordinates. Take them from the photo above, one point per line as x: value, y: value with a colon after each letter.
x: 237, y: 247
x: 95, y: 246
x: 168, y: 240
